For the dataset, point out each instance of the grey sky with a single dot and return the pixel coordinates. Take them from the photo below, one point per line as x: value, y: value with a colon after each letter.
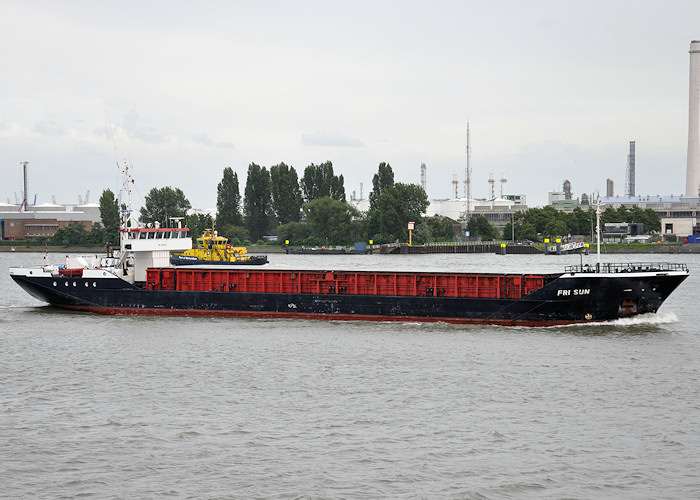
x: 552, y: 90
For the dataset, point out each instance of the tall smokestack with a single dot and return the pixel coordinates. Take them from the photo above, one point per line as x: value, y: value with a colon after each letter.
x: 692, y: 176
x: 630, y: 179
x: 24, y: 196
x: 423, y: 177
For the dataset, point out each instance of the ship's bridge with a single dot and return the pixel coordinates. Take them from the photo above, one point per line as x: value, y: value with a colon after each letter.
x: 172, y: 239
x: 151, y: 247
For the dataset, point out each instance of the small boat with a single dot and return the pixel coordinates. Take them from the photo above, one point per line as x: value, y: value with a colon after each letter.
x: 323, y: 251
x: 214, y: 249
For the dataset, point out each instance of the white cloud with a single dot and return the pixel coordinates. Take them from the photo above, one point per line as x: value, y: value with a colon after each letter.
x: 332, y: 139
x: 553, y: 90
x: 205, y: 140
x: 51, y: 128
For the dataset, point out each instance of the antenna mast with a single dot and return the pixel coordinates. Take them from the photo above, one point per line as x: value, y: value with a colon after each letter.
x: 467, y: 177
x: 597, y: 225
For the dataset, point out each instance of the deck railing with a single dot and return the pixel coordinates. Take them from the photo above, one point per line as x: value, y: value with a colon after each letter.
x: 628, y: 267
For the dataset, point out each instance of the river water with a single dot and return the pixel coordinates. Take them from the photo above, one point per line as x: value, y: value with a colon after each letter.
x: 134, y: 407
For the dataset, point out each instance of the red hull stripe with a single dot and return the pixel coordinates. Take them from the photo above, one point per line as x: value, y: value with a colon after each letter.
x: 314, y: 316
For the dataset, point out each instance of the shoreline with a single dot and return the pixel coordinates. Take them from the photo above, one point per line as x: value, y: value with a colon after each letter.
x: 685, y: 248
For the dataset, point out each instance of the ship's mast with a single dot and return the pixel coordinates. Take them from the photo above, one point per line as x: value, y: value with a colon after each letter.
x: 125, y: 196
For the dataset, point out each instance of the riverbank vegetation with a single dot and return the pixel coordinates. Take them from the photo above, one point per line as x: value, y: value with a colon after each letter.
x: 536, y: 224
x: 312, y: 210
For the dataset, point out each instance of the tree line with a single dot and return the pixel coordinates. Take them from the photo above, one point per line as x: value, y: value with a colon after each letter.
x: 307, y: 210
x: 538, y: 223
x: 313, y: 211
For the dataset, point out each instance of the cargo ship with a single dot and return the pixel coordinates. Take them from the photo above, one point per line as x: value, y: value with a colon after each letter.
x: 140, y: 280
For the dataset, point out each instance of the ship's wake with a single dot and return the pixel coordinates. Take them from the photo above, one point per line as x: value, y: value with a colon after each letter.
x: 630, y: 324
x: 647, y: 319
x: 643, y: 320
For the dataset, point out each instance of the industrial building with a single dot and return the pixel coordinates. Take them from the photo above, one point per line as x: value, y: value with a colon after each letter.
x: 43, y: 221
x: 23, y: 221
x: 498, y: 210
x: 678, y: 213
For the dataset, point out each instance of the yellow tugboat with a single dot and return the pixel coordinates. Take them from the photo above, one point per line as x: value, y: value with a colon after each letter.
x: 214, y: 249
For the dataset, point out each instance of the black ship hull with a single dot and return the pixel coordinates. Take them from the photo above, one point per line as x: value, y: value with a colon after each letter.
x: 251, y: 260
x: 565, y: 299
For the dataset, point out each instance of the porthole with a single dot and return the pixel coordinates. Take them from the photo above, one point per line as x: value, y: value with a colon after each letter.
x: 94, y: 284
x: 55, y: 284
x: 66, y: 283
x: 75, y: 283
x: 86, y: 284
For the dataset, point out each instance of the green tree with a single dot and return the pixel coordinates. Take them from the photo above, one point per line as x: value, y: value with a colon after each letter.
x: 652, y: 223
x: 433, y: 229
x: 480, y: 226
x: 164, y: 203
x: 395, y: 207
x: 330, y: 221
x: 296, y: 233
x: 448, y: 231
x: 197, y: 223
x: 98, y: 235
x: 382, y: 180
x: 237, y: 235
x: 424, y: 232
x: 228, y: 200
x: 109, y: 213
x: 257, y: 204
x: 526, y: 231
x: 338, y: 188
x: 555, y: 228
x: 579, y: 221
x: 319, y: 181
x: 76, y: 235
x: 286, y: 194
x: 637, y: 215
x: 624, y: 214
x: 535, y: 221
x: 542, y: 216
x: 634, y: 214
x: 508, y: 232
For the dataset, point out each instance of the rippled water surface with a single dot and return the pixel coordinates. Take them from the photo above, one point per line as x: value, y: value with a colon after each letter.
x: 210, y: 408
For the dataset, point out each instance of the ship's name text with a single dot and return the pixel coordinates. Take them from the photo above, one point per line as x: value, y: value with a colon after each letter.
x: 575, y: 291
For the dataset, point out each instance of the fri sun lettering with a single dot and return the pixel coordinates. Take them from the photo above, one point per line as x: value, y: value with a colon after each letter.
x: 575, y: 291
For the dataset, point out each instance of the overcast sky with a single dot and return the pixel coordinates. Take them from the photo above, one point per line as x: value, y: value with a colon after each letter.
x: 552, y: 90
